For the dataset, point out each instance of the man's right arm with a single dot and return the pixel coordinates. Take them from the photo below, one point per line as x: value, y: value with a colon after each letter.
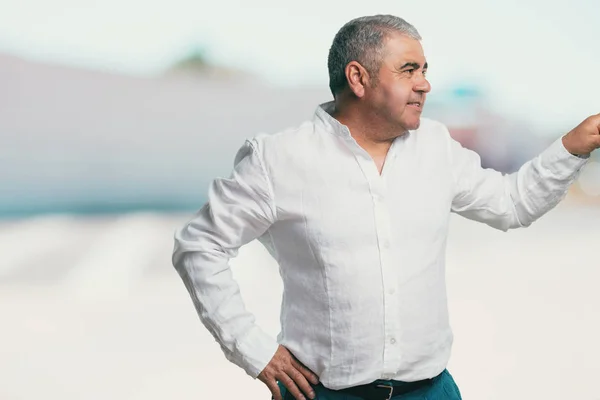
x: 239, y: 209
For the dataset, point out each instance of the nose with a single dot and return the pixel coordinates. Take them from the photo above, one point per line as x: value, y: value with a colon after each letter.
x: 422, y: 85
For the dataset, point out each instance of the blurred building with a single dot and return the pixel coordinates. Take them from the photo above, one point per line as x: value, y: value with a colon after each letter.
x: 88, y: 141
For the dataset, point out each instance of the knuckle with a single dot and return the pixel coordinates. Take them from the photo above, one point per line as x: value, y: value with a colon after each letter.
x: 264, y: 376
x: 280, y: 366
x: 295, y: 373
x: 304, y: 371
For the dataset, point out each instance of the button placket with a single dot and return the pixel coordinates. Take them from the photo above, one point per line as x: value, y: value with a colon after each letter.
x: 390, y: 359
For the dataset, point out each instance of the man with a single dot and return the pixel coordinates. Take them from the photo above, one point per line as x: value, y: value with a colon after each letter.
x: 354, y: 206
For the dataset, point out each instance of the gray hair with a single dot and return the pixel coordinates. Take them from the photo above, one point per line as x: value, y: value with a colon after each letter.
x: 362, y: 40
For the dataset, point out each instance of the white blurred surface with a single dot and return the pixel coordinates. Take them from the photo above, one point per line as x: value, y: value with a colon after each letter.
x: 91, y: 308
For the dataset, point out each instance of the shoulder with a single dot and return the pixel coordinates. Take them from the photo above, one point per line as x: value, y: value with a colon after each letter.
x: 287, y: 140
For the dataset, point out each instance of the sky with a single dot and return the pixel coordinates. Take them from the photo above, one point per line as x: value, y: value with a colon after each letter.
x: 536, y: 59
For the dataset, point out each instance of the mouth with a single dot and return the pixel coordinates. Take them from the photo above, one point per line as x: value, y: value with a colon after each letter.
x: 417, y: 105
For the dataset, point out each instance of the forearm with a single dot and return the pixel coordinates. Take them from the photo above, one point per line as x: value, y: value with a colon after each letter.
x: 541, y: 183
x: 516, y: 200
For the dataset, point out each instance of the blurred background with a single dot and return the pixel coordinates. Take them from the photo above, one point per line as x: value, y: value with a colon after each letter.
x: 116, y: 115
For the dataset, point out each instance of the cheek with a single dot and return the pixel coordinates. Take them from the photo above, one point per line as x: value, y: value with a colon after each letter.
x: 399, y: 96
x: 398, y: 102
x: 393, y: 96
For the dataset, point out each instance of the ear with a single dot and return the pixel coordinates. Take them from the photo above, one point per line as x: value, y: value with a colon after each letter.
x: 357, y: 78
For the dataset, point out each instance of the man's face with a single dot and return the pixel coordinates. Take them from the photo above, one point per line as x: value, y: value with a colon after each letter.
x: 399, y: 95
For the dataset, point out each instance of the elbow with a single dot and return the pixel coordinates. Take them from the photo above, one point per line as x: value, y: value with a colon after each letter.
x: 514, y: 224
x: 177, y: 259
x: 179, y: 251
x: 198, y: 252
x: 515, y: 221
x: 509, y: 220
x: 522, y: 214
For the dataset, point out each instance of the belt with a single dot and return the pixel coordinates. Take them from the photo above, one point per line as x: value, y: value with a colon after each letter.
x: 385, y: 391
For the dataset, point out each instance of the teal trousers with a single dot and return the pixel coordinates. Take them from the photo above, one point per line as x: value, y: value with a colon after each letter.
x: 443, y: 387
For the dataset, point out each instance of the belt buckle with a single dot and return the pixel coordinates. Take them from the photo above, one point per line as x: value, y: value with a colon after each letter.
x: 388, y: 387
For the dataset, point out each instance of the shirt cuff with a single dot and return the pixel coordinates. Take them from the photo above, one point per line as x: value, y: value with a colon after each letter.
x: 560, y: 162
x: 257, y: 349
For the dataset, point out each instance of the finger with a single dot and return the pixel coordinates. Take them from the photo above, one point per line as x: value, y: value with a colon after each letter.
x: 308, y: 374
x: 291, y: 387
x: 274, y: 388
x: 300, y: 381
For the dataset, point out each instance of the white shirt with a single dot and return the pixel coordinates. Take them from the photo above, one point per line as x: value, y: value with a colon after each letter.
x: 361, y: 255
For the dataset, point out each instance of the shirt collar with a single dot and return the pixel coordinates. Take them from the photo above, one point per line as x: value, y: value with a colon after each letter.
x: 324, y: 118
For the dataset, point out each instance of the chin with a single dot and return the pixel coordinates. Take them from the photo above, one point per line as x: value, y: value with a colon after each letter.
x: 413, y: 125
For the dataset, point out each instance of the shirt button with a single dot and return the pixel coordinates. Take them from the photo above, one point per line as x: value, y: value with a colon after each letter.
x: 393, y: 341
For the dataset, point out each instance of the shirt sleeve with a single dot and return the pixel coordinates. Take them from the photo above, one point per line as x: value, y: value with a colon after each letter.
x: 514, y: 200
x: 239, y: 209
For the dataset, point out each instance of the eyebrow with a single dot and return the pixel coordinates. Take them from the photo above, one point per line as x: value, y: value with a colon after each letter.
x: 414, y: 65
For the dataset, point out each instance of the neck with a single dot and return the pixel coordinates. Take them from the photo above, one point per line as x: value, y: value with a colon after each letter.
x: 369, y: 133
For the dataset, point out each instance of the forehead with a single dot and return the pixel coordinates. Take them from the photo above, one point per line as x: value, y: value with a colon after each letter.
x: 399, y: 47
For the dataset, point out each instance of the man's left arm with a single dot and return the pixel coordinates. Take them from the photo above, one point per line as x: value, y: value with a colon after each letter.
x: 517, y: 200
